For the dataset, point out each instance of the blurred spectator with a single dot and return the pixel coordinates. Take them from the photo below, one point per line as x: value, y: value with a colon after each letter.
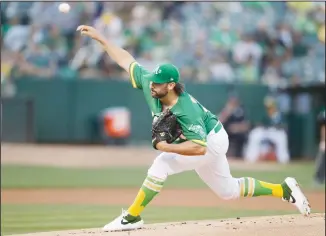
x: 146, y: 60
x: 246, y: 48
x: 40, y: 56
x: 274, y: 49
x: 221, y: 70
x: 319, y: 176
x: 7, y: 64
x: 299, y: 49
x: 248, y: 71
x: 17, y: 9
x: 46, y: 13
x: 284, y: 35
x: 223, y: 37
x: 264, y: 39
x: 171, y: 10
x: 235, y: 123
x: 268, y: 140
x: 198, y: 63
x: 321, y: 33
x: 56, y: 43
x: 36, y: 61
x: 271, y: 76
x: 299, y: 16
x: 290, y: 65
x: 17, y: 34
x: 261, y: 33
x: 91, y: 53
x: 301, y: 7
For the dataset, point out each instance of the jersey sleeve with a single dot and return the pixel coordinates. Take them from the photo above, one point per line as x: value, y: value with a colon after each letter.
x: 195, y: 131
x: 136, y: 73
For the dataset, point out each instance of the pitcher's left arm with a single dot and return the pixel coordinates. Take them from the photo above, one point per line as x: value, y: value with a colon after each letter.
x: 194, y: 131
x: 187, y: 148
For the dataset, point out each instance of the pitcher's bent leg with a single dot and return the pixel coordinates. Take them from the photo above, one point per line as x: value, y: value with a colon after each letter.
x: 218, y: 177
x: 164, y: 165
x: 170, y: 163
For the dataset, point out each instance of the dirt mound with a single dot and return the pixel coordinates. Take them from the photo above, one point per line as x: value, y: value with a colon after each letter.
x: 168, y: 197
x: 289, y: 225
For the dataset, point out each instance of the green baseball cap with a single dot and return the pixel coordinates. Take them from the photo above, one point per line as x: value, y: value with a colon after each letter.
x: 164, y: 73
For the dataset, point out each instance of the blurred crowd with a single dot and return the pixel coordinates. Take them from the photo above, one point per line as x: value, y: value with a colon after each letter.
x: 263, y: 140
x: 275, y: 43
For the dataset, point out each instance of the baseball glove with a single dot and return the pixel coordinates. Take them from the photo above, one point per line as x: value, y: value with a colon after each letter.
x: 165, y: 128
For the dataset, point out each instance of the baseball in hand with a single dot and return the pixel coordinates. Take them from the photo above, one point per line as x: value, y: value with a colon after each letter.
x: 64, y: 7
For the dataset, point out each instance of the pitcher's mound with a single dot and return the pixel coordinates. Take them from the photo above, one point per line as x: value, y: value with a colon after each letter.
x: 288, y: 225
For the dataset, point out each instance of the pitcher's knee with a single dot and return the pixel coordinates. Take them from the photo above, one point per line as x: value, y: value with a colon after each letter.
x: 159, y: 169
x: 227, y: 194
x: 228, y: 190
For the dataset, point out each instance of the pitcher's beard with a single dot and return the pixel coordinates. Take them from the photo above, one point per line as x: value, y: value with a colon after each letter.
x: 158, y: 96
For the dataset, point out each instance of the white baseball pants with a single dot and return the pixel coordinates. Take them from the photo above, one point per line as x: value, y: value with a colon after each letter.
x: 212, y: 168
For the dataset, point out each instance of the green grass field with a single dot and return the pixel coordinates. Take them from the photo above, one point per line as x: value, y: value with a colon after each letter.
x: 54, y: 177
x: 33, y: 218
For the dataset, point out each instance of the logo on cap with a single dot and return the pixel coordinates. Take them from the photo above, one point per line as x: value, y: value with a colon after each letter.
x: 158, y: 70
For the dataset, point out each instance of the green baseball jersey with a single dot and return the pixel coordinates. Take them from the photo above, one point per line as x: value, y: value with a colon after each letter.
x: 195, y: 120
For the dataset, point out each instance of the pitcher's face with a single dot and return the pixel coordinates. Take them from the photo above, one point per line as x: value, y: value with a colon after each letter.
x: 159, y: 90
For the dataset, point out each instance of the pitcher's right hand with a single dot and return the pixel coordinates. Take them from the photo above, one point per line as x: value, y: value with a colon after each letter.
x: 90, y: 31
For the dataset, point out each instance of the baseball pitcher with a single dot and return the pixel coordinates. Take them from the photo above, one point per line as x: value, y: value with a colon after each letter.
x: 189, y: 137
